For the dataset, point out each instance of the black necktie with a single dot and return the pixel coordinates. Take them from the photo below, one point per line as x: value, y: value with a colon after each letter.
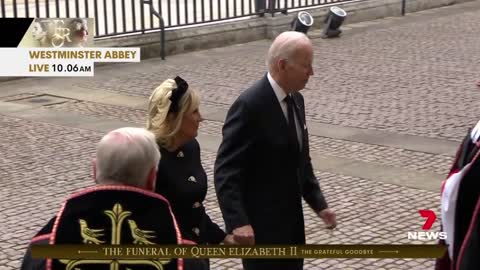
x: 292, y: 128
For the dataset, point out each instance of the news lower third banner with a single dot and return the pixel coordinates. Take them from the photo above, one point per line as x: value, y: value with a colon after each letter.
x: 55, y: 47
x: 70, y: 62
x: 132, y: 252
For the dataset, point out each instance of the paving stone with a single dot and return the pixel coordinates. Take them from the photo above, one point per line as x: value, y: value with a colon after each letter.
x: 383, y: 155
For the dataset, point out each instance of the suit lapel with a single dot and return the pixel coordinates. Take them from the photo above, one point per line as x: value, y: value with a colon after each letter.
x: 274, y: 104
x: 279, y: 117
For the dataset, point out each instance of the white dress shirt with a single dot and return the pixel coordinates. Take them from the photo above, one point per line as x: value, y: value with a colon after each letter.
x: 281, y: 95
x: 475, y: 134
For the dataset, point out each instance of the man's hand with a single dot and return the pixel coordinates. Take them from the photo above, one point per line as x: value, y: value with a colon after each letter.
x: 244, y: 235
x: 229, y: 240
x: 329, y: 217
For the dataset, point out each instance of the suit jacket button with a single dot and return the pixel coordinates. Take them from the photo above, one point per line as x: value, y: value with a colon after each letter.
x: 196, y: 231
x: 197, y: 205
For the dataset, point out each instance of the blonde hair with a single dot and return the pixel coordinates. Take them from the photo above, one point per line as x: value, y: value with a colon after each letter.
x: 126, y: 156
x: 164, y: 124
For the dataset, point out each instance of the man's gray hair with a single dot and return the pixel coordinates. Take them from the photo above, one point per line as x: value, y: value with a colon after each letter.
x: 284, y: 47
x: 126, y: 156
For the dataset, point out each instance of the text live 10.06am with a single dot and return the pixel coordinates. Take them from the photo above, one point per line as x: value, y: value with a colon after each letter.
x: 58, y: 68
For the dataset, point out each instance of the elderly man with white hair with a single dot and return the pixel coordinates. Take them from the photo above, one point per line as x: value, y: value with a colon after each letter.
x: 263, y: 167
x: 120, y: 209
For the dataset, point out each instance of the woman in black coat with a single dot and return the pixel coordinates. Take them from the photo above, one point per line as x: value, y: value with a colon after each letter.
x: 174, y: 118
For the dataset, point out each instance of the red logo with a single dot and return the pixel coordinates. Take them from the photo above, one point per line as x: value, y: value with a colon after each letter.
x: 431, y: 217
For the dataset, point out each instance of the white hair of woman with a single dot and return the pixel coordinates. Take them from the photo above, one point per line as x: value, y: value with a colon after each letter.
x: 126, y: 156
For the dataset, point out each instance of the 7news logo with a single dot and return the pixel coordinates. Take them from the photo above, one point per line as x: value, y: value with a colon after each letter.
x: 431, y: 217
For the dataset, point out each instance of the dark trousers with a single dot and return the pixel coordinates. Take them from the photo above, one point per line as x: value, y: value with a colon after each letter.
x: 196, y: 264
x: 261, y: 5
x: 270, y: 264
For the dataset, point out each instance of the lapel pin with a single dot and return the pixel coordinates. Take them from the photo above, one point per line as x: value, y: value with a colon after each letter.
x: 192, y: 179
x: 180, y: 154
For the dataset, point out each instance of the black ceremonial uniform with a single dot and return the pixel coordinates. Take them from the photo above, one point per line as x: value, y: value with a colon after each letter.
x: 183, y: 181
x: 110, y: 215
x: 464, y: 222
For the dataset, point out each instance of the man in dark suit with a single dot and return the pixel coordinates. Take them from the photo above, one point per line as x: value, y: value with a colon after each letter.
x: 263, y: 166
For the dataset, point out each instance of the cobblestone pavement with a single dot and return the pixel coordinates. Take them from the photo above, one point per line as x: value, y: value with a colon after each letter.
x: 412, y: 76
x: 57, y: 160
x: 397, y: 157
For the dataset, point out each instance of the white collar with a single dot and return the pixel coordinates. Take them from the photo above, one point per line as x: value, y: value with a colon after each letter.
x: 279, y: 92
x: 475, y: 133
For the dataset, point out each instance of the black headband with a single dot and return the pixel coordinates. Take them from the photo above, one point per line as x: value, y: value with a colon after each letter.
x: 177, y: 94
